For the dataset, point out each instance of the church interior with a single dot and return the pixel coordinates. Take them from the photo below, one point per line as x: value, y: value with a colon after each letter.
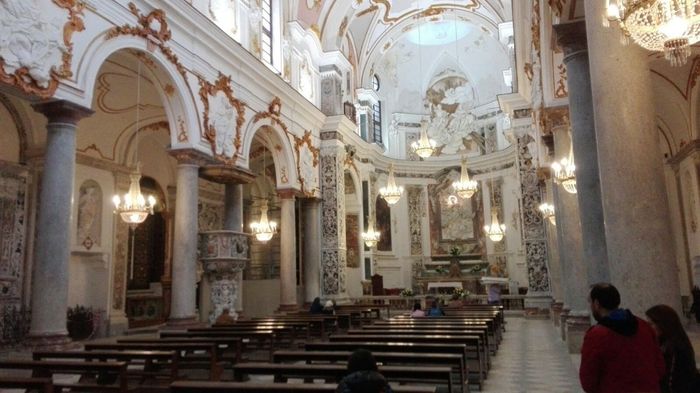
x: 166, y: 165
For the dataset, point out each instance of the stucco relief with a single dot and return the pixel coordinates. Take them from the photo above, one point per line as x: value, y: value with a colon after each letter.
x: 223, y: 118
x: 307, y: 157
x: 89, y: 214
x: 225, y: 14
x: 210, y: 216
x: 35, y: 43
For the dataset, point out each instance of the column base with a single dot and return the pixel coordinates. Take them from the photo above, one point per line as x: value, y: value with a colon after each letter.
x: 46, y: 342
x: 288, y: 307
x: 556, y: 313
x: 577, y: 325
x: 182, y: 323
x: 562, y: 322
x: 537, y: 305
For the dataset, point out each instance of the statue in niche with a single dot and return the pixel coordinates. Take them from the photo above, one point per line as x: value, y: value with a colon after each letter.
x: 222, y: 116
x: 89, y: 214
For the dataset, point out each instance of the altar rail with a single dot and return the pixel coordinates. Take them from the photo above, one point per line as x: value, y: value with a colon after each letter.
x: 510, y: 302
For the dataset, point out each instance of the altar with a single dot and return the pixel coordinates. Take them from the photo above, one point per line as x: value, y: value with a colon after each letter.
x: 444, y: 287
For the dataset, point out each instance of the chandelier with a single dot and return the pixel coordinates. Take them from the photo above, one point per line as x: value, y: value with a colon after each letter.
x: 263, y: 229
x: 134, y: 208
x: 671, y: 26
x: 424, y: 147
x: 495, y: 231
x: 465, y: 188
x: 547, y: 211
x: 391, y: 193
x: 371, y: 237
x: 565, y: 172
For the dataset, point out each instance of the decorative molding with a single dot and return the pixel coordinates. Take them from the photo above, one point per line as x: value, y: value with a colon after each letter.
x: 217, y: 132
x: 190, y: 157
x: 34, y: 72
x: 309, y: 187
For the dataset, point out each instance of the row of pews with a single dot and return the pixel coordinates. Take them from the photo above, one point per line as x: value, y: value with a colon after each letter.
x: 453, y: 351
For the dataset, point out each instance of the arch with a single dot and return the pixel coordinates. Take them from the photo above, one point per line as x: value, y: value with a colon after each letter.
x: 179, y: 104
x: 276, y: 140
x: 356, y: 182
x: 19, y: 124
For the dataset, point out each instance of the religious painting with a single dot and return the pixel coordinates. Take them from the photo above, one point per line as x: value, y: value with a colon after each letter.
x: 383, y: 224
x: 454, y: 222
x: 450, y: 100
x: 89, y: 214
x: 352, y: 239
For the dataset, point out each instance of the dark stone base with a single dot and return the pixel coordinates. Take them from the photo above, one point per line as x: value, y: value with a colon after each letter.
x: 182, y: 323
x: 49, y: 342
x: 288, y: 307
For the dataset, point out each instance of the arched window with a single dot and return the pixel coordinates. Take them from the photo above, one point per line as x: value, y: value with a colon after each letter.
x: 375, y: 83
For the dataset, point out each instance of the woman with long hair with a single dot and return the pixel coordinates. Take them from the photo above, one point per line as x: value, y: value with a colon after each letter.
x: 681, y: 373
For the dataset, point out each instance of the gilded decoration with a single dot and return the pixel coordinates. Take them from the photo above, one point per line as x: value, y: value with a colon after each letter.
x: 182, y: 133
x: 220, y: 128
x: 28, y: 61
x: 432, y: 10
x: 535, y: 26
x: 307, y: 163
x: 561, y: 91
x: 557, y: 6
x: 154, y: 28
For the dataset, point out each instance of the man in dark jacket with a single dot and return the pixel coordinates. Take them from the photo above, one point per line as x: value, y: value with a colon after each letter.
x: 620, y: 353
x: 363, y: 376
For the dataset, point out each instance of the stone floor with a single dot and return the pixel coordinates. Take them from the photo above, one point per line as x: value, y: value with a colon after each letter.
x: 532, y: 360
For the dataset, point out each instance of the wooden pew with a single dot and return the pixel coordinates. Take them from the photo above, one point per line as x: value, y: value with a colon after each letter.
x: 257, y: 336
x: 42, y: 385
x: 320, y: 323
x: 455, y: 361
x: 282, y: 372
x: 491, y: 320
x: 148, y: 359
x: 383, y: 345
x: 103, y: 370
x: 482, y: 332
x: 474, y: 343
x: 298, y: 329
x: 210, y: 360
x: 437, y: 325
x: 247, y: 387
x: 427, y: 322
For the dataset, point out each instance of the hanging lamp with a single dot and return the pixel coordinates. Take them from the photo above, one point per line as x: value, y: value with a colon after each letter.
x: 424, y: 147
x: 495, y: 231
x: 565, y: 172
x: 391, y: 192
x: 370, y: 237
x: 547, y: 210
x: 465, y: 188
x: 263, y: 229
x: 134, y: 208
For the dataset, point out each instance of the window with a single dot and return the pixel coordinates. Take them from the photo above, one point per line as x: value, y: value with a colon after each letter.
x: 266, y: 44
x: 375, y: 82
x: 377, y: 122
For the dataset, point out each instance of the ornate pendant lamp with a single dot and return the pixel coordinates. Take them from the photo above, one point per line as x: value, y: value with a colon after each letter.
x: 134, y: 208
x: 371, y: 237
x: 565, y: 172
x: 391, y: 193
x: 496, y: 231
x: 263, y: 229
x: 671, y: 26
x: 547, y: 211
x: 465, y: 188
x: 424, y: 147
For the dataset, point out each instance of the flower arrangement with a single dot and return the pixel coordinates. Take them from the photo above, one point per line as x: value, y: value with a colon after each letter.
x: 407, y: 292
x: 80, y: 322
x: 440, y: 270
x: 459, y: 294
x: 455, y: 251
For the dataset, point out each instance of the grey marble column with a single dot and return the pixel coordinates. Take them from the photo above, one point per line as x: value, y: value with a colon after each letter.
x: 641, y: 254
x: 288, y: 253
x: 312, y: 250
x: 572, y: 38
x: 50, y: 278
x: 184, y: 267
x: 233, y: 207
x: 333, y: 248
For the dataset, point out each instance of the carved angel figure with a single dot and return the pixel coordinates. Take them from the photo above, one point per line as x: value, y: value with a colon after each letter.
x: 28, y: 38
x: 223, y: 119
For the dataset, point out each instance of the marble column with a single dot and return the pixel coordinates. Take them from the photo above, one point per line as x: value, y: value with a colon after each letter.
x: 50, y: 277
x: 312, y: 250
x: 554, y: 260
x: 333, y: 250
x: 288, y: 252
x: 572, y: 38
x: 640, y: 247
x: 184, y: 268
x: 233, y: 207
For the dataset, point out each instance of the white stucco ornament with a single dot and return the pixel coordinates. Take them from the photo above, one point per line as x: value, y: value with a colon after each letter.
x: 223, y: 119
x: 308, y: 171
x: 31, y: 38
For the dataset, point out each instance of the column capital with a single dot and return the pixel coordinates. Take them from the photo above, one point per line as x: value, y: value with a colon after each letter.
x: 226, y: 174
x: 287, y: 193
x: 62, y: 111
x: 571, y: 37
x: 190, y: 157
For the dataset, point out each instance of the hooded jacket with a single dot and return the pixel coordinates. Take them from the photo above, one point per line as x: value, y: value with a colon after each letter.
x: 364, y: 382
x: 620, y: 354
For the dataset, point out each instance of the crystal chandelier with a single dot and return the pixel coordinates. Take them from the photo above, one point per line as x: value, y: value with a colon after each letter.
x: 134, y: 208
x: 465, y: 188
x: 263, y: 229
x: 371, y: 237
x: 671, y: 26
x: 547, y: 211
x: 391, y: 193
x: 565, y: 172
x: 424, y: 147
x: 495, y: 231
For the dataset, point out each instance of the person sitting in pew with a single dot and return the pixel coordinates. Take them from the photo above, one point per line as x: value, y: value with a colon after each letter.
x: 316, y: 307
x: 363, y: 375
x: 435, y: 310
x: 225, y: 318
x: 329, y: 308
x: 417, y: 312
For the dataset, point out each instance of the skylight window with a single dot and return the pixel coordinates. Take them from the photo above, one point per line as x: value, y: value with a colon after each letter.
x: 439, y: 32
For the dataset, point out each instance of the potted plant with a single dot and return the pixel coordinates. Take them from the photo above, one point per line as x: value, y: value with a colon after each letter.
x: 458, y: 296
x: 80, y: 322
x: 407, y: 292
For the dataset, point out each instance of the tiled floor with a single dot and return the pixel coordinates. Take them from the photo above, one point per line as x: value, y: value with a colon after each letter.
x: 532, y: 360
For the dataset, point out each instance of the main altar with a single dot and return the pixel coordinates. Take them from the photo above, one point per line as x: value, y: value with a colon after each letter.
x: 443, y: 273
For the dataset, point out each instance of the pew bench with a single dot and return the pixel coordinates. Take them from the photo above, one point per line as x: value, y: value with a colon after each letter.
x: 95, y: 376
x: 247, y: 387
x: 42, y: 385
x: 263, y: 339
